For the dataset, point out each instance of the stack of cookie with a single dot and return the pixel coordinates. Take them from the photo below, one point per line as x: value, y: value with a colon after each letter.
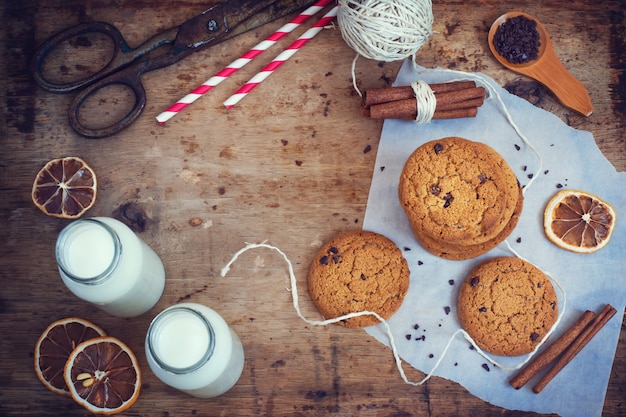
x: 461, y: 197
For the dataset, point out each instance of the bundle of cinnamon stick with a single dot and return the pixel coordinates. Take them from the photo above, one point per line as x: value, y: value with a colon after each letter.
x: 456, y: 99
x: 567, y: 346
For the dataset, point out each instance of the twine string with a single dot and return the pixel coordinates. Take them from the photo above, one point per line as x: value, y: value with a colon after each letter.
x: 384, y: 30
x: 387, y: 327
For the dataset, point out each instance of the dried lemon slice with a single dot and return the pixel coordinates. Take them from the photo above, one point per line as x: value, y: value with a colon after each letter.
x: 578, y: 221
x: 54, y: 346
x: 65, y: 188
x: 103, y: 375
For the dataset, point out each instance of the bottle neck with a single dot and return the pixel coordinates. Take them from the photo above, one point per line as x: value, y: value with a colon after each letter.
x: 180, y: 340
x: 88, y: 251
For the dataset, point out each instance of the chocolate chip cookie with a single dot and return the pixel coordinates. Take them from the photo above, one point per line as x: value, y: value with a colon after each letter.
x: 358, y: 271
x: 507, y: 305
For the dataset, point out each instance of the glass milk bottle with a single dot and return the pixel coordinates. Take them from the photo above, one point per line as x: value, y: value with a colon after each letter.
x: 102, y: 261
x: 191, y: 348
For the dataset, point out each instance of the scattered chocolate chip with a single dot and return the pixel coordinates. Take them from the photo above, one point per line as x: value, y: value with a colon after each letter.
x: 531, y: 175
x: 420, y: 263
x: 546, y: 172
x: 438, y: 148
x: 367, y: 149
x: 471, y: 347
x: 517, y: 147
x: 519, y: 240
x: 448, y: 198
x: 482, y: 309
x: 431, y: 355
x: 408, y: 337
x: 382, y: 169
x: 474, y: 281
x: 416, y: 326
x: 524, y: 168
x: 435, y: 190
x: 324, y: 260
x: 446, y: 309
x: 451, y: 281
x: 456, y: 363
x: 485, y: 367
x: 559, y: 185
x: 407, y: 248
x: 534, y: 336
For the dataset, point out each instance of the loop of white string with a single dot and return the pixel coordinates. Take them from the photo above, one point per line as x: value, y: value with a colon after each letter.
x: 388, y: 331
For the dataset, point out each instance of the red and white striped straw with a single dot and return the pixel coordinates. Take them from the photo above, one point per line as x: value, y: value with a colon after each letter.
x: 241, y: 62
x: 281, y: 58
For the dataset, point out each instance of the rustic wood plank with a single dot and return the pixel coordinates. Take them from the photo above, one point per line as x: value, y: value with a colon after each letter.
x: 291, y: 164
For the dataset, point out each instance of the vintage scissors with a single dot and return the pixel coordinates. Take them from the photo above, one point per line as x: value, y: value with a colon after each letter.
x: 216, y: 24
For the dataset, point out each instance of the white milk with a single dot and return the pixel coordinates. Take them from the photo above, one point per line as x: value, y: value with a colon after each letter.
x: 102, y: 261
x: 190, y: 347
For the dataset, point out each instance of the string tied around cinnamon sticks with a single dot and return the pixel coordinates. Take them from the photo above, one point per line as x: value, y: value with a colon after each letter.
x: 425, y: 101
x: 422, y: 102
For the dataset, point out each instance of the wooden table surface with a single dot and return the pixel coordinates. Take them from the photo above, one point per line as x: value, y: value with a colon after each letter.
x: 291, y: 164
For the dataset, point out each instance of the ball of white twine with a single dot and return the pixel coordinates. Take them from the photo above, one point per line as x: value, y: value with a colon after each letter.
x: 385, y: 30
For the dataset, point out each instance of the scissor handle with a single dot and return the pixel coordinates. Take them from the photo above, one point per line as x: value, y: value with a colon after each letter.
x: 129, y: 77
x: 118, y: 59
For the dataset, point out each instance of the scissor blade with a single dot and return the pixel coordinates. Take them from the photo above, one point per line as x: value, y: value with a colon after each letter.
x: 231, y: 18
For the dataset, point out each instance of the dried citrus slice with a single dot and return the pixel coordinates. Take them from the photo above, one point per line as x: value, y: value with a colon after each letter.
x: 54, y: 346
x: 103, y: 375
x: 579, y: 221
x: 65, y: 188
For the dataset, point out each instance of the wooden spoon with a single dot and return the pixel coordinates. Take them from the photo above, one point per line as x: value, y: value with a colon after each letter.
x: 547, y: 69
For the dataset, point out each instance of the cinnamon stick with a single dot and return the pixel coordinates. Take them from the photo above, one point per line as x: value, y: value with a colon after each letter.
x: 407, y: 108
x: 579, y: 343
x: 387, y: 94
x: 456, y: 114
x: 552, y: 351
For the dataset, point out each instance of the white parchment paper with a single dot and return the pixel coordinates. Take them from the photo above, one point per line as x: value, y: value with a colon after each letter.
x: 427, y: 319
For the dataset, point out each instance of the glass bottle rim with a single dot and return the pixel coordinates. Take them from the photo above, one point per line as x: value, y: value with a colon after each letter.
x: 151, y: 334
x: 104, y: 275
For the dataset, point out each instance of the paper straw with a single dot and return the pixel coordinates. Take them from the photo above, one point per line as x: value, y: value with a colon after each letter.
x: 241, y: 61
x: 280, y: 59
